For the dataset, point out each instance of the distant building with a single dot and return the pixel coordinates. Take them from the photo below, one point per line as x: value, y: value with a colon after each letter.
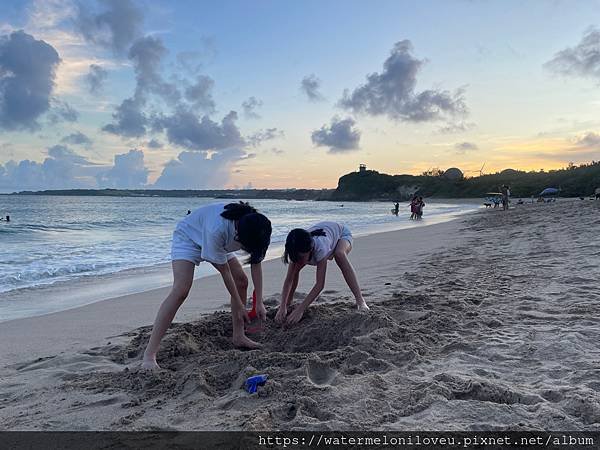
x: 362, y: 169
x: 453, y: 174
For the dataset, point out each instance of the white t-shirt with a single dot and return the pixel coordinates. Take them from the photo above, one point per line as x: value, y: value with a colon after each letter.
x: 213, y: 233
x: 324, y: 245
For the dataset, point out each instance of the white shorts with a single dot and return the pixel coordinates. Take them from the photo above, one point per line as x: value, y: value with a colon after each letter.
x: 183, y: 248
x: 346, y: 234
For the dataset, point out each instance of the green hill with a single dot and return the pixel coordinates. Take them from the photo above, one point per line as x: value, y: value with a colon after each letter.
x: 575, y: 181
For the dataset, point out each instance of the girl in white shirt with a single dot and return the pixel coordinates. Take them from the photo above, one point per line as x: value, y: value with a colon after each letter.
x: 213, y: 233
x: 316, y: 246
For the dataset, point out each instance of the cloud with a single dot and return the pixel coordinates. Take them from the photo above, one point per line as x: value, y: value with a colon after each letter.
x: 146, y: 54
x: 62, y: 111
x: 277, y: 151
x: 193, y: 61
x: 130, y: 121
x: 96, y: 78
x: 590, y: 140
x: 27, y: 73
x: 129, y: 118
x: 199, y: 94
x: 77, y: 138
x: 64, y: 153
x: 310, y: 85
x: 464, y: 147
x: 250, y: 107
x: 115, y: 27
x: 66, y: 169
x: 62, y: 169
x: 456, y: 127
x: 128, y: 172
x: 580, y: 149
x: 154, y: 143
x: 339, y: 136
x: 264, y: 135
x: 185, y: 129
x: 196, y: 170
x: 392, y: 92
x: 583, y: 60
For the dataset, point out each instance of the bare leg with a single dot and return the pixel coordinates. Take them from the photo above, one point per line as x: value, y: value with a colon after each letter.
x: 183, y: 275
x: 341, y: 251
x: 241, y: 282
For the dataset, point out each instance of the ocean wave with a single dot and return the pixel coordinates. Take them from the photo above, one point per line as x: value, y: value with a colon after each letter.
x: 25, y: 277
x: 120, y: 224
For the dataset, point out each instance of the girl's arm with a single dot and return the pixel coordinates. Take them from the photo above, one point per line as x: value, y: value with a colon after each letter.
x: 290, y: 297
x: 298, y: 312
x: 287, y: 292
x: 257, y: 279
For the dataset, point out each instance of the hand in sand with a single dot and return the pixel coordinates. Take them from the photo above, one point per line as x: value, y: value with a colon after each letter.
x: 296, y: 315
x: 150, y: 364
x: 281, y: 315
x: 244, y: 315
x: 261, y: 311
x: 362, y: 306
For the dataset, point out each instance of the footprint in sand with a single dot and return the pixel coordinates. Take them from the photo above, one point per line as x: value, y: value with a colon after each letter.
x: 320, y: 373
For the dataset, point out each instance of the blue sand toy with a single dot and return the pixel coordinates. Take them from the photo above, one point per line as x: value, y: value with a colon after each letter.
x: 253, y: 382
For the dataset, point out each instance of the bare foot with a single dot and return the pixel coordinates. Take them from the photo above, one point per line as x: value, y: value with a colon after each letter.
x: 150, y: 364
x: 362, y: 306
x: 244, y: 342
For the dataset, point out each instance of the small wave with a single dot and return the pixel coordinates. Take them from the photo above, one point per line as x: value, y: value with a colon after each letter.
x: 33, y: 276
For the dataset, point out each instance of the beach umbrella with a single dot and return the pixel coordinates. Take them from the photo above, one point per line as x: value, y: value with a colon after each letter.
x: 549, y: 191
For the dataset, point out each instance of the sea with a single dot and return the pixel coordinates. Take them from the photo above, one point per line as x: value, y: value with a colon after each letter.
x: 61, y: 252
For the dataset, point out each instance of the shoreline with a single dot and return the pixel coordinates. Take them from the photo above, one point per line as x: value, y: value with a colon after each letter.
x: 64, y: 295
x: 92, y: 324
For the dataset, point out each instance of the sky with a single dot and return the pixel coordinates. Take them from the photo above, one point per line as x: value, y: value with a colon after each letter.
x: 291, y: 94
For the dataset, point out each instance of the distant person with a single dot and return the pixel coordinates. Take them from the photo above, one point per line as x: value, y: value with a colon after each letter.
x: 396, y: 209
x: 189, y: 212
x: 315, y: 246
x: 505, y: 195
x: 414, y: 207
x: 8, y: 218
x: 213, y: 233
x: 420, y: 206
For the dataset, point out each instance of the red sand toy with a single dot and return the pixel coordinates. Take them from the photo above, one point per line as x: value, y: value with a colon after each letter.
x: 252, y: 314
x: 257, y: 325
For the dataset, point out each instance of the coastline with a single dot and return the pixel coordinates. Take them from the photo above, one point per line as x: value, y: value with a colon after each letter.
x: 91, y: 288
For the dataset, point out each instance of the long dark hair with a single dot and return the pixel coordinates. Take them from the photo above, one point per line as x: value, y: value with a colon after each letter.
x: 299, y: 241
x: 253, y: 230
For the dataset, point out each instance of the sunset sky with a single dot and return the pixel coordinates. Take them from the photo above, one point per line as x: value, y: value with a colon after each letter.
x: 276, y: 94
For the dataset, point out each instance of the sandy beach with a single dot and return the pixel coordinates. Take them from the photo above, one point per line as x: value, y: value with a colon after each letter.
x: 487, y: 322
